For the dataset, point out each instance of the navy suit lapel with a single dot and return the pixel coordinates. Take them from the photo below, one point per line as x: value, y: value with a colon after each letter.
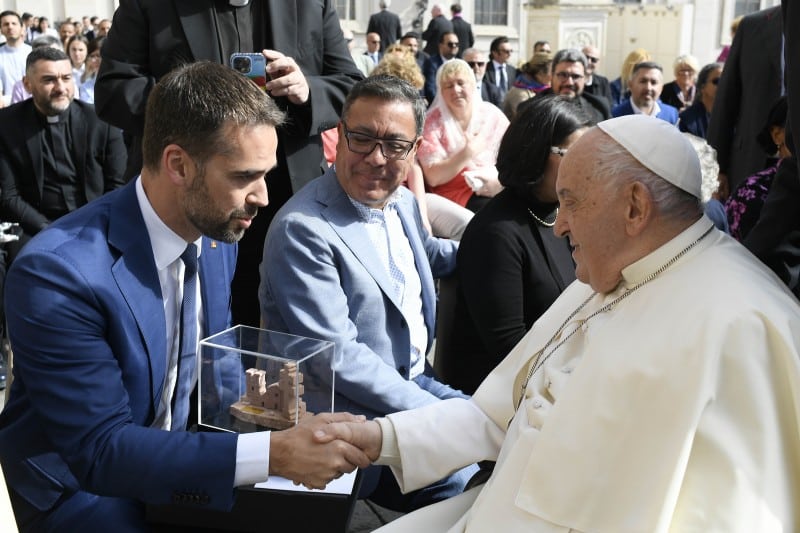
x: 342, y: 217
x: 137, y: 279
x: 197, y: 21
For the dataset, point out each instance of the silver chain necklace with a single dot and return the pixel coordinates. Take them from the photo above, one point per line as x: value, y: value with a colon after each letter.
x: 539, y: 361
x: 543, y: 222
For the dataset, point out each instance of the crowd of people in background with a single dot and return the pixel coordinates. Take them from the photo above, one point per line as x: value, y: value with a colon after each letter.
x: 472, y: 145
x: 79, y: 39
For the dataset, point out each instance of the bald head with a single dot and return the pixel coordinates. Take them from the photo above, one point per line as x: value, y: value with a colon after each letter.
x: 592, y: 54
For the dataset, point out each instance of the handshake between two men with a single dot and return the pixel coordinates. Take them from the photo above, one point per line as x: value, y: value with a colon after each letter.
x: 323, y: 448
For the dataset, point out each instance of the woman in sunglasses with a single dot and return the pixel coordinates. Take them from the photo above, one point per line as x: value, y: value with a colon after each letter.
x: 694, y: 119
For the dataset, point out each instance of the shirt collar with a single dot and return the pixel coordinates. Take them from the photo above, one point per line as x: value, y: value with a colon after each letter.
x: 639, y: 111
x: 54, y: 119
x: 167, y: 245
x: 367, y: 213
x: 636, y: 272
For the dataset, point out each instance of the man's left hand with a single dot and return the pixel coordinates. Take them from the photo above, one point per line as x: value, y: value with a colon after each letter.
x: 287, y: 78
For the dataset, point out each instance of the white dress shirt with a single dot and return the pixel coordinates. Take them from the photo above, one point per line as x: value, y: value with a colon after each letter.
x: 252, y: 451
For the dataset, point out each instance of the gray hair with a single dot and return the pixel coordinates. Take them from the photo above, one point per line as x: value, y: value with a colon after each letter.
x: 569, y: 55
x: 709, y: 168
x: 645, y: 65
x: 617, y: 167
x: 473, y: 50
x: 389, y: 89
x: 46, y: 41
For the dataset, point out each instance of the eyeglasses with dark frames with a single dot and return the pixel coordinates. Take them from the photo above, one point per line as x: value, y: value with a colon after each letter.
x: 593, y: 59
x: 452, y: 45
x: 474, y: 64
x: 564, y: 76
x: 361, y: 143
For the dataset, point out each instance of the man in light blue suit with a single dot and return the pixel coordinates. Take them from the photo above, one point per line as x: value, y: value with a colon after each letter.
x: 646, y: 83
x: 89, y: 434
x: 347, y: 260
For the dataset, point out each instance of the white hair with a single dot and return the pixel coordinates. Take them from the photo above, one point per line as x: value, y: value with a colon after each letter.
x: 617, y: 167
x: 709, y: 167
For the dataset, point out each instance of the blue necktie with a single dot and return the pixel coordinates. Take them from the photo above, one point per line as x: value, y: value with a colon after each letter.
x: 187, y: 351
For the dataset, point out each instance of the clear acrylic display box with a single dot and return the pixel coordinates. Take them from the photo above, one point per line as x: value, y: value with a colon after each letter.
x: 254, y: 379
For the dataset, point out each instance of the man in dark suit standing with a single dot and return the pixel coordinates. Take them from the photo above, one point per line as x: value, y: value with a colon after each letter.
x: 596, y: 84
x: 500, y: 72
x: 462, y: 28
x: 477, y: 60
x: 448, y: 47
x: 386, y: 24
x: 411, y: 39
x: 55, y: 154
x: 310, y: 72
x: 109, y: 303
x: 751, y: 82
x: 438, y: 26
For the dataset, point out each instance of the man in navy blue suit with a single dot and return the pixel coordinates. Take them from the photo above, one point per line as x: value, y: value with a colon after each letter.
x: 647, y: 80
x: 90, y: 434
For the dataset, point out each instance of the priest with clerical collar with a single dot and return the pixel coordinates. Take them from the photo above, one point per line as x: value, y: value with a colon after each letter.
x: 660, y: 392
x: 55, y: 154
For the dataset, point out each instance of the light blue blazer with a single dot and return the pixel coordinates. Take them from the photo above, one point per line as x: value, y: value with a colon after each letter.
x: 321, y: 278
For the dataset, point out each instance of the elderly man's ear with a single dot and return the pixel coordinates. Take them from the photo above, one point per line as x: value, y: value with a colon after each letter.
x: 639, y: 209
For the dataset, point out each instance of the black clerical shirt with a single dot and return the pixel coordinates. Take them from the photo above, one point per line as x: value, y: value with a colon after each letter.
x: 60, y: 190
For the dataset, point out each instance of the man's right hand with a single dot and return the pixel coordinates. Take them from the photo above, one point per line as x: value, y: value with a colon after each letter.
x: 366, y: 436
x: 297, y: 453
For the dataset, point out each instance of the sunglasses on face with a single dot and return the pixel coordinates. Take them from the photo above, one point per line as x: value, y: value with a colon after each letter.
x: 452, y: 45
x: 474, y: 64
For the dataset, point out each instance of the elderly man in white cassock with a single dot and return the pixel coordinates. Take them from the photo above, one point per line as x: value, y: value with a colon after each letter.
x: 660, y: 392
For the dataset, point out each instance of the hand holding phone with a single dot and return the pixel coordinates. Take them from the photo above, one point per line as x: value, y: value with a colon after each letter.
x: 286, y: 78
x: 254, y: 66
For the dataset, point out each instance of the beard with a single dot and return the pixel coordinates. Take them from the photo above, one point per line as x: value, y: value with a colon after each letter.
x: 209, y: 219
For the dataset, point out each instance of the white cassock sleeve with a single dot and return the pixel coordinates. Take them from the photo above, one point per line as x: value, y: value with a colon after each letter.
x: 436, y: 440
